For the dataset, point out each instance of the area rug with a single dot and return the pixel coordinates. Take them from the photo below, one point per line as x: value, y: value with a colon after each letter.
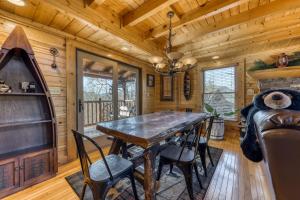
x: 172, y: 186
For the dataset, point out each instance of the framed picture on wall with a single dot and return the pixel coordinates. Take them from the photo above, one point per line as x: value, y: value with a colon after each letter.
x: 166, y: 90
x: 150, y: 80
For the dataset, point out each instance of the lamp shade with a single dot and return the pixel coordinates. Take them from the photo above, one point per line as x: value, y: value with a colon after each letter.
x: 174, y: 55
x: 161, y: 65
x: 178, y: 65
x: 189, y: 61
x: 155, y: 59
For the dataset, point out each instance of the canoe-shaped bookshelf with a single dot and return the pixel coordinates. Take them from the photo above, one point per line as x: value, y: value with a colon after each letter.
x: 27, y: 118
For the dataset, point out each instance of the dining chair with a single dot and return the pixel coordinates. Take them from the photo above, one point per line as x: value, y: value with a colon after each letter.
x: 203, y: 146
x: 104, y: 173
x: 183, y: 157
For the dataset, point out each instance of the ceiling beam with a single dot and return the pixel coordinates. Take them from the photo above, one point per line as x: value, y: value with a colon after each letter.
x: 94, y: 2
x: 209, y: 9
x: 147, y: 9
x: 104, y: 20
x: 254, y: 49
x: 267, y: 9
x: 253, y: 30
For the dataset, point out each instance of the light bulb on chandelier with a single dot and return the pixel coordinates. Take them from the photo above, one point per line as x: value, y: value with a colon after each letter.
x: 173, y: 62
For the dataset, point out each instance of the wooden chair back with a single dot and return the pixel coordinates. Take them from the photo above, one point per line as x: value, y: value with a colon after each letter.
x: 85, y: 160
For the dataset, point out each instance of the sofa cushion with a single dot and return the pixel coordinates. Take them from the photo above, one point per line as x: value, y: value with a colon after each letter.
x: 274, y: 119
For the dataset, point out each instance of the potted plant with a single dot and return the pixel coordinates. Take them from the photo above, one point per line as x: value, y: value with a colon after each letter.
x: 217, y: 131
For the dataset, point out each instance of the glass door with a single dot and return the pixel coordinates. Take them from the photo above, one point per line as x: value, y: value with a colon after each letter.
x: 95, y: 91
x: 128, y: 79
x: 106, y: 90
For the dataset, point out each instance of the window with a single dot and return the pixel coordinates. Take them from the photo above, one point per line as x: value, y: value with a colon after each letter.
x: 219, y: 90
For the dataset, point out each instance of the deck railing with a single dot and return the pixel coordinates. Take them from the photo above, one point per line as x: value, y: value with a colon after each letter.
x: 97, y: 111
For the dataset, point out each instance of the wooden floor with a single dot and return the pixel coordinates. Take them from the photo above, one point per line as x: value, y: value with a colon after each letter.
x: 234, y: 178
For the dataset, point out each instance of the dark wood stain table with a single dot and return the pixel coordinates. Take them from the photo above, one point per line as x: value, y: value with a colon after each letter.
x: 148, y: 131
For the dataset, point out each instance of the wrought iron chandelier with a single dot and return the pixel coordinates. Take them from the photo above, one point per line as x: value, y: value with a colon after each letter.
x: 173, y: 62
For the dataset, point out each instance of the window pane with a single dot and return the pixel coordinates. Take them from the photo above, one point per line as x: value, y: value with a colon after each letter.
x: 219, y: 90
x: 219, y: 80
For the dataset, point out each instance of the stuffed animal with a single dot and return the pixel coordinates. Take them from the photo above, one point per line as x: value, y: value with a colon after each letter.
x: 270, y: 99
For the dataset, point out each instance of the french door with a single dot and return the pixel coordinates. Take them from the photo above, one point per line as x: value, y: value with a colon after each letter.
x: 106, y: 90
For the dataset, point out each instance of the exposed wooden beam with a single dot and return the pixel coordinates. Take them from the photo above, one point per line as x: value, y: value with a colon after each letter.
x: 255, y: 49
x: 209, y: 9
x: 146, y: 10
x: 94, y: 2
x: 105, y: 20
x: 267, y: 9
x: 254, y: 30
x: 89, y: 65
x: 172, y: 7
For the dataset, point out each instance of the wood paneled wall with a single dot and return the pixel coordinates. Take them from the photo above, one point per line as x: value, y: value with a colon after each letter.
x: 41, y: 42
x: 244, y: 87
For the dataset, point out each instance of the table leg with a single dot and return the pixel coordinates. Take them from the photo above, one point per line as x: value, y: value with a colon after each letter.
x: 115, y: 146
x: 149, y: 174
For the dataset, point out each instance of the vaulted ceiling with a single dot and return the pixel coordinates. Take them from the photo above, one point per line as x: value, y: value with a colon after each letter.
x: 203, y: 28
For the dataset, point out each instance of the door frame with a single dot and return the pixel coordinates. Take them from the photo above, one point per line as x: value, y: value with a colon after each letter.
x: 80, y: 54
x: 71, y: 121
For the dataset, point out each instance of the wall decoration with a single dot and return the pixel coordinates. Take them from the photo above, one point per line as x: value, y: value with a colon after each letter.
x: 150, y: 80
x: 187, y: 86
x: 54, y: 52
x: 166, y: 90
x: 283, y: 60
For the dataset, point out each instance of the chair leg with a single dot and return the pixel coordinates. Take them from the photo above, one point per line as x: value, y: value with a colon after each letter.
x: 209, y: 155
x: 188, y: 176
x: 203, y: 159
x: 197, y: 175
x: 171, y: 168
x: 83, y: 191
x: 133, y: 186
x: 99, y: 191
x: 160, y: 166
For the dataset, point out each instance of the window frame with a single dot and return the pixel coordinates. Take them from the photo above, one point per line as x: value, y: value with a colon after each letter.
x: 235, y: 87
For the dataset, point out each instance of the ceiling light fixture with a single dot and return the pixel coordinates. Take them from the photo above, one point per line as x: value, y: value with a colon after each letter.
x: 215, y: 57
x: 173, y: 62
x: 17, y: 2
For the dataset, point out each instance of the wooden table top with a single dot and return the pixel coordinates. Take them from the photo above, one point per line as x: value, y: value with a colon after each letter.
x: 146, y: 130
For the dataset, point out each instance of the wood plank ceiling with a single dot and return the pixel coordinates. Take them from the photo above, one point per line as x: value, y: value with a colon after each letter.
x: 203, y: 28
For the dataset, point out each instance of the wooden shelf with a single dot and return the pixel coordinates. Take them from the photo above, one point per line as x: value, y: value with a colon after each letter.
x: 24, y: 123
x: 286, y: 72
x: 26, y: 151
x: 22, y: 94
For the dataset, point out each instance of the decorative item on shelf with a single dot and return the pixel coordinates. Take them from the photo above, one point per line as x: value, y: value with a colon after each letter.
x: 32, y: 87
x: 4, y: 88
x: 187, y: 86
x: 261, y: 65
x: 173, y: 61
x: 150, y: 80
x: 24, y: 86
x: 283, y: 60
x: 54, y: 52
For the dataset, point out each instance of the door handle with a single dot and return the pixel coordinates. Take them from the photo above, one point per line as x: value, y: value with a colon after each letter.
x: 80, y: 105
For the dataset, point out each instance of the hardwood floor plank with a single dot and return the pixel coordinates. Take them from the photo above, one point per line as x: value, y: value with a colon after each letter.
x: 235, y: 178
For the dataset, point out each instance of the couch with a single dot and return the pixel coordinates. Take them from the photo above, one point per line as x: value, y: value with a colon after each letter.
x: 278, y: 132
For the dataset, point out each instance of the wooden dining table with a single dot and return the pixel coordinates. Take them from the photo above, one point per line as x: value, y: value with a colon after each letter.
x: 147, y: 131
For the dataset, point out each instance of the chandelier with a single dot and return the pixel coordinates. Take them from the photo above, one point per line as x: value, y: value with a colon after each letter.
x: 173, y: 62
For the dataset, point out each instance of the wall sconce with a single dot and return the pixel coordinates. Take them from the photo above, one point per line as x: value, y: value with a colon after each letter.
x: 54, y: 52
